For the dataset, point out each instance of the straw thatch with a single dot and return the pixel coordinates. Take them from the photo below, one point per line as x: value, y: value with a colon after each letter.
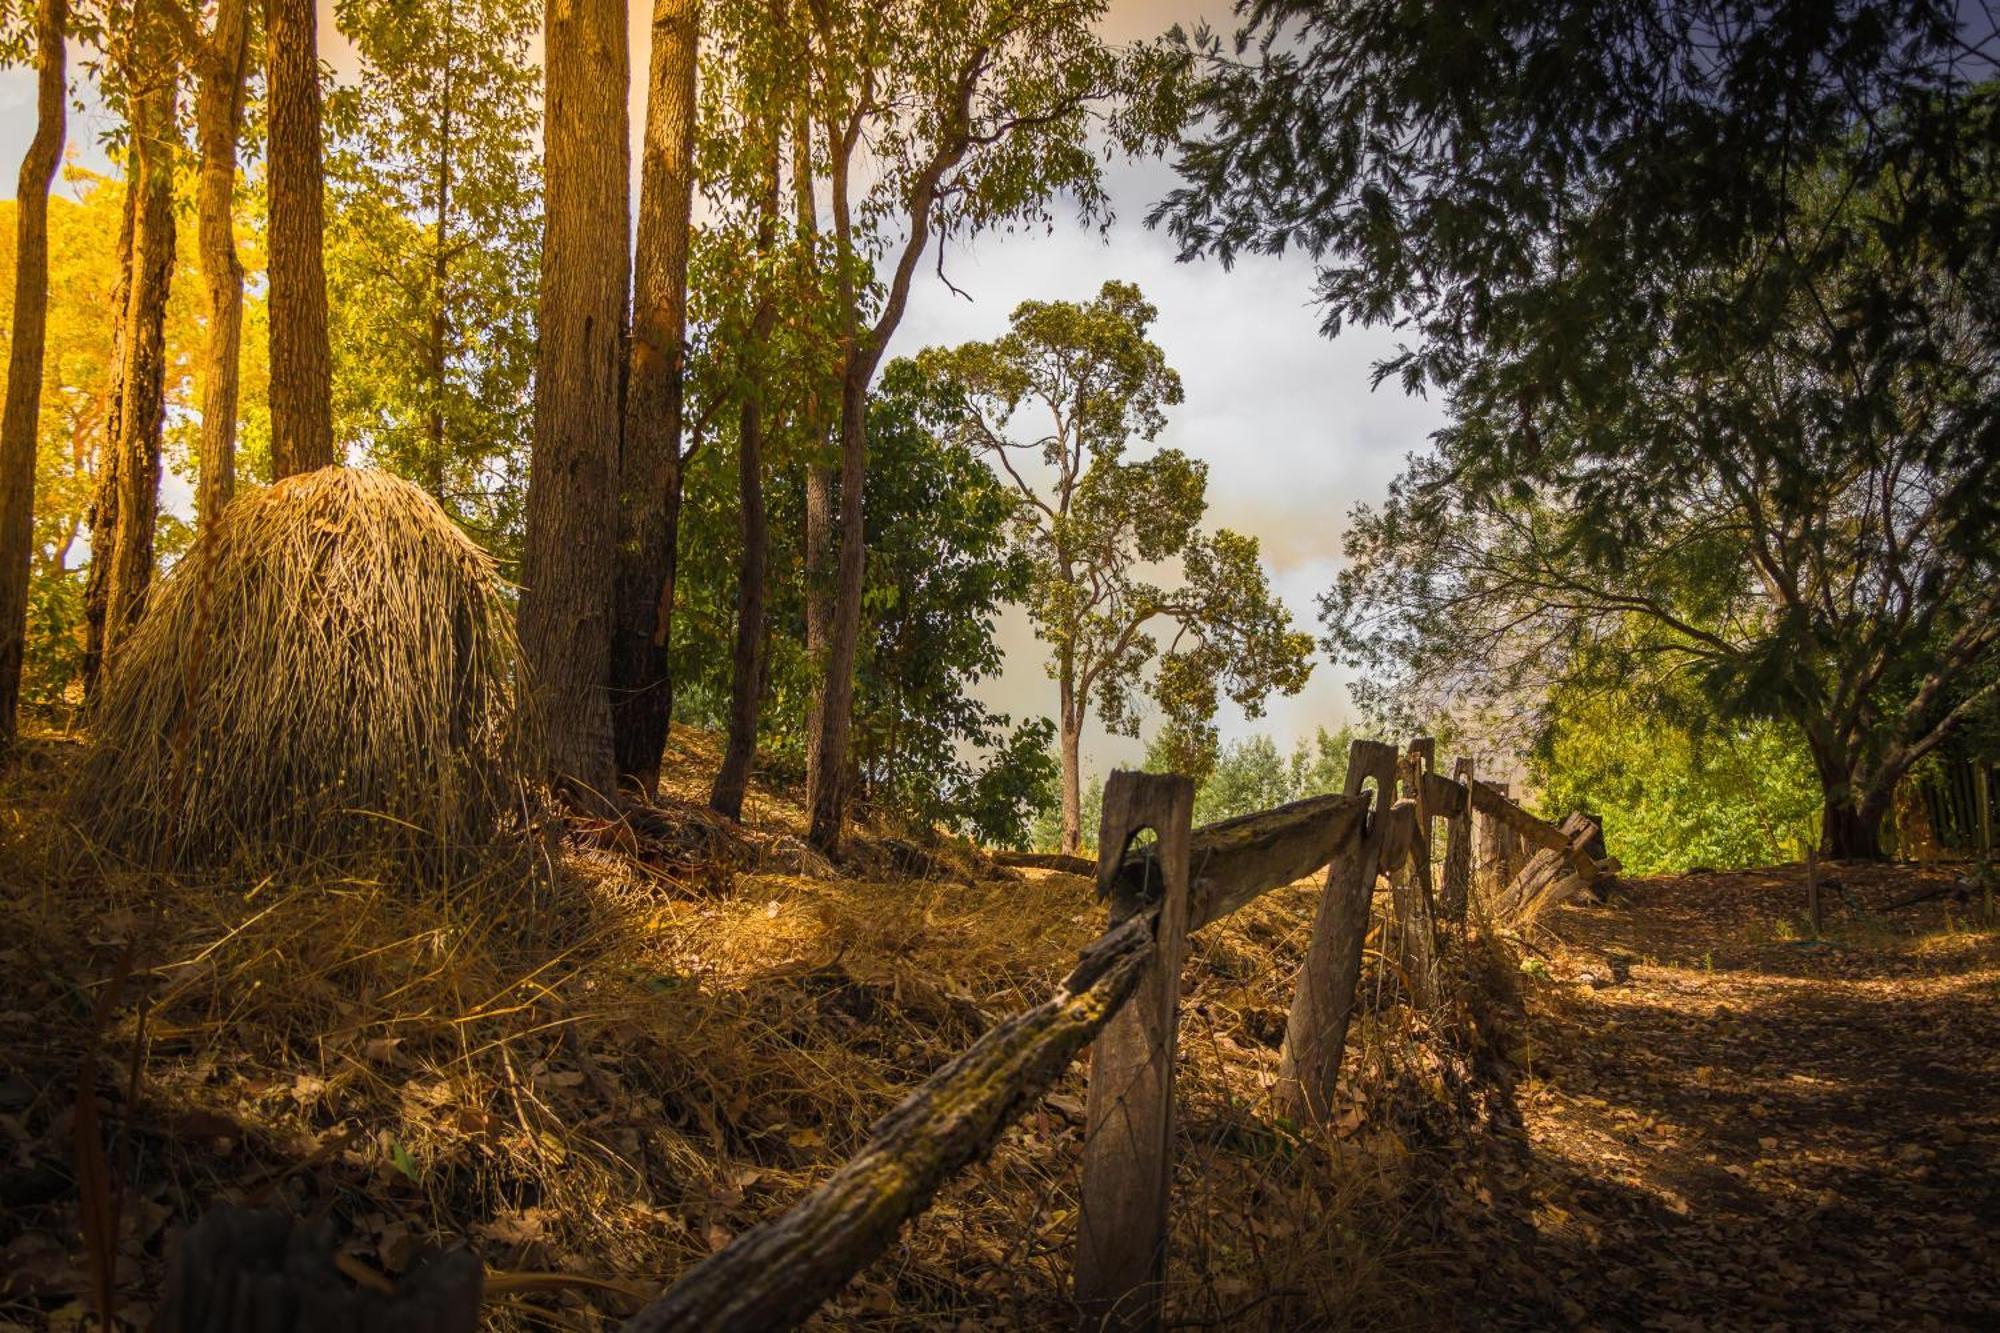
x: 331, y: 670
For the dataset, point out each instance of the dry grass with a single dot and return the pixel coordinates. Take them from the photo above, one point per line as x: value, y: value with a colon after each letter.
x: 587, y: 1065
x: 329, y: 672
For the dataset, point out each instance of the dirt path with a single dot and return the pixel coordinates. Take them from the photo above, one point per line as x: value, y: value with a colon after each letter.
x: 1727, y: 1129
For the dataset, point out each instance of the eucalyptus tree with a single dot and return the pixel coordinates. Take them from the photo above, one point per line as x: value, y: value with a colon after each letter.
x: 20, y: 426
x: 1055, y: 404
x: 930, y: 122
x: 220, y: 57
x: 149, y: 77
x: 568, y: 557
x: 433, y: 249
x: 650, y: 464
x: 1708, y: 287
x: 301, y: 356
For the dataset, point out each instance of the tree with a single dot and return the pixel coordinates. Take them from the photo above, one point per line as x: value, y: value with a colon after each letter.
x: 1788, y: 504
x: 568, y: 557
x: 1092, y: 529
x: 129, y: 491
x: 1252, y: 774
x: 79, y: 392
x: 20, y: 426
x: 1676, y: 788
x: 221, y: 59
x: 975, y: 114
x: 940, y: 568
x: 650, y: 462
x: 433, y: 248
x: 301, y: 358
x: 1706, y: 288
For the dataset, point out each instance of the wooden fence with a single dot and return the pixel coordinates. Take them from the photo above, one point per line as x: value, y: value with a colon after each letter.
x: 1120, y: 1002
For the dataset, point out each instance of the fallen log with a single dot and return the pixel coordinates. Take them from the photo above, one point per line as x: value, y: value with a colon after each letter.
x: 775, y: 1275
x: 1550, y: 873
x: 1063, y: 861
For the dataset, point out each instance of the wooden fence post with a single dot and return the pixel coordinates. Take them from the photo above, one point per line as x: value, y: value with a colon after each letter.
x: 1128, y: 1148
x: 1458, y: 851
x: 1316, y: 1031
x: 1983, y: 781
x: 1812, y: 890
x: 1410, y: 892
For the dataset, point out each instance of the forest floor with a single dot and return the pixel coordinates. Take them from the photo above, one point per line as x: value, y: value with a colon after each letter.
x: 1725, y: 1125
x: 599, y: 1064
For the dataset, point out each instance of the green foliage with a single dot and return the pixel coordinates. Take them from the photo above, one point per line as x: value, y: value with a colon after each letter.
x: 940, y: 567
x: 1063, y: 392
x: 433, y: 249
x: 1709, y: 290
x: 1735, y: 795
x: 1253, y: 774
x: 85, y: 211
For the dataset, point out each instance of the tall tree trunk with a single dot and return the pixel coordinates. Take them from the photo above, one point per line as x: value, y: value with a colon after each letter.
x: 301, y: 363
x: 103, y: 514
x: 435, y: 466
x: 826, y: 770
x: 218, y: 120
x: 746, y: 667
x: 843, y: 634
x: 568, y: 559
x: 1071, y: 736
x: 649, y: 475
x: 20, y: 424
x: 142, y: 414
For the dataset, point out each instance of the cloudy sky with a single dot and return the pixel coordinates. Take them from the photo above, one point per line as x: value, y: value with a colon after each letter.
x: 1286, y: 420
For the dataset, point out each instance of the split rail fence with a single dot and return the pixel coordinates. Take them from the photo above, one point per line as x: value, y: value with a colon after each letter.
x: 1120, y: 1002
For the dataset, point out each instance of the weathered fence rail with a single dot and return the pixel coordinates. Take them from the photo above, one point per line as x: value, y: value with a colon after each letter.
x: 1121, y: 1002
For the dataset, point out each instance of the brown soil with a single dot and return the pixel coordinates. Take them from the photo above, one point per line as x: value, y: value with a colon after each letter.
x: 1726, y: 1126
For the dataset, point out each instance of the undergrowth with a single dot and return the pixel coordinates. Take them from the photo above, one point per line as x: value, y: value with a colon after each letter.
x: 607, y: 1057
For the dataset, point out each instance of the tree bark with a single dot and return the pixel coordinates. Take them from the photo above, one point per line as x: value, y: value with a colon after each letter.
x: 301, y: 362
x: 142, y: 412
x: 1850, y: 819
x: 568, y: 558
x: 746, y: 668
x: 20, y: 424
x: 103, y: 514
x: 843, y: 637
x: 218, y: 120
x: 650, y: 464
x: 1072, y: 767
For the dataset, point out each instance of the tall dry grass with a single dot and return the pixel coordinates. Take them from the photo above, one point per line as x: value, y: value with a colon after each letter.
x: 330, y: 671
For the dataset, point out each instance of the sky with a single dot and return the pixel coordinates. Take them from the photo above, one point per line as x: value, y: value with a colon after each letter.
x: 1286, y: 420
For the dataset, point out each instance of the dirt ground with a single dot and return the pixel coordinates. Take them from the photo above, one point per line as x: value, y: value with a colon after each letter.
x: 1727, y: 1126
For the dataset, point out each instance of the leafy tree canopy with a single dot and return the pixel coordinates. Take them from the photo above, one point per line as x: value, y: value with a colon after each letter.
x: 1054, y: 404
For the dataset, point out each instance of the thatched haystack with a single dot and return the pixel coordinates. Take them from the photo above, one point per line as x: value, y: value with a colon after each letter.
x: 330, y: 671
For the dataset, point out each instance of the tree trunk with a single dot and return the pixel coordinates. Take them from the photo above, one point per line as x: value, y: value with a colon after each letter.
x: 1850, y: 820
x: 843, y: 637
x: 104, y: 496
x: 746, y: 668
x: 436, y: 468
x: 142, y: 413
x: 568, y: 557
x: 1850, y: 830
x: 819, y: 595
x: 650, y: 466
x: 218, y: 120
x: 301, y: 363
x: 20, y: 426
x: 1072, y: 768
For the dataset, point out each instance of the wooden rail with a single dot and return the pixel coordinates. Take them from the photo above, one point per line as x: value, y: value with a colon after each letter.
x: 1121, y: 1001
